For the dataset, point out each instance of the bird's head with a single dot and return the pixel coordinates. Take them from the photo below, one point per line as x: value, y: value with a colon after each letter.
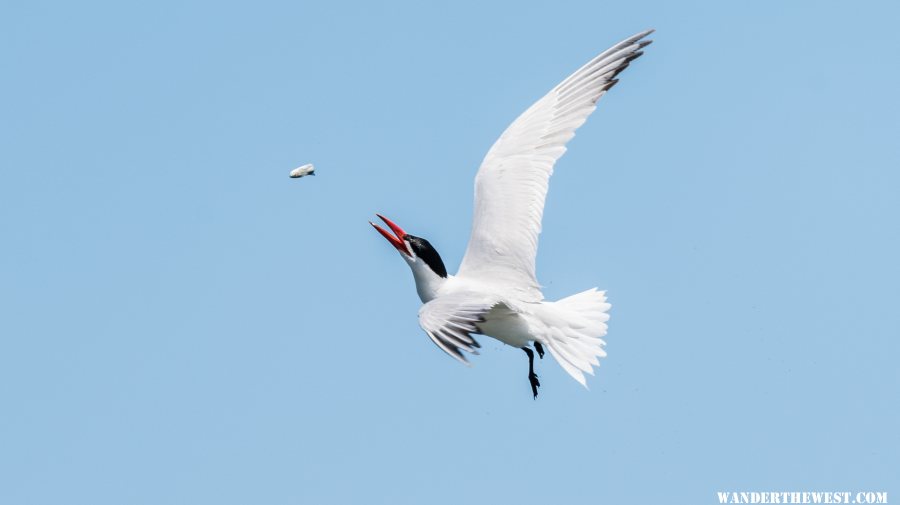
x: 425, y: 262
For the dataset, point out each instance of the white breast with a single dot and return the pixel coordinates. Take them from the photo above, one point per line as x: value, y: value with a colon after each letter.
x: 506, y: 326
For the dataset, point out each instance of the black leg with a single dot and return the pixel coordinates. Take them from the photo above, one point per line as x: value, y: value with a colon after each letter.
x: 532, y: 378
x: 539, y: 348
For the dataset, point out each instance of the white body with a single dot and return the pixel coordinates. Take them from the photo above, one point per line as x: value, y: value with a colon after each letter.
x: 496, y: 292
x: 305, y: 170
x: 570, y: 328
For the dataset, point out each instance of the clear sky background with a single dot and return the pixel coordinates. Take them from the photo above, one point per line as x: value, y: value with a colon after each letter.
x: 181, y: 323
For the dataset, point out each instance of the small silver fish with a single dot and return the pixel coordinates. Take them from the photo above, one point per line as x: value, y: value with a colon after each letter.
x: 305, y: 170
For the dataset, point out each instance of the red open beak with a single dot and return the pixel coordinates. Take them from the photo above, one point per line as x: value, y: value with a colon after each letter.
x: 396, y: 241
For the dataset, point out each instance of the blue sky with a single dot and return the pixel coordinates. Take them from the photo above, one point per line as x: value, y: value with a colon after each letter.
x: 182, y: 323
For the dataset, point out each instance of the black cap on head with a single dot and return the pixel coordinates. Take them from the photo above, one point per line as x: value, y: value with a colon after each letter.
x: 427, y: 253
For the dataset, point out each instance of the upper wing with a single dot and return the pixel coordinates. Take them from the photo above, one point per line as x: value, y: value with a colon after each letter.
x: 511, y: 184
x: 451, y: 319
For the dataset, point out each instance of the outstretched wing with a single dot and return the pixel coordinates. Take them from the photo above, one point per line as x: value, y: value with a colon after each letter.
x: 511, y: 184
x: 450, y: 321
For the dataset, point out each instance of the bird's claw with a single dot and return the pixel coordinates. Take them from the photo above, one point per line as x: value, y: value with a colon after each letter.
x: 535, y: 384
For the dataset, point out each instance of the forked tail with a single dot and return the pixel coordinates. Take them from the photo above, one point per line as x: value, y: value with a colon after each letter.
x: 572, y: 329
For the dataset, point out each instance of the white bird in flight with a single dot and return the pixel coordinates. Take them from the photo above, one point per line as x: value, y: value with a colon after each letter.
x: 496, y: 292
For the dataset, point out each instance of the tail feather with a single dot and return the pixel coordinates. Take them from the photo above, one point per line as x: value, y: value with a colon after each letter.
x: 573, y: 328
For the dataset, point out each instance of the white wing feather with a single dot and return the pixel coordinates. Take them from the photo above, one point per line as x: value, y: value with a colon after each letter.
x: 450, y: 321
x: 511, y: 184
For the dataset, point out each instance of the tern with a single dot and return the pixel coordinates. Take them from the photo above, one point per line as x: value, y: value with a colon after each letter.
x: 496, y: 293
